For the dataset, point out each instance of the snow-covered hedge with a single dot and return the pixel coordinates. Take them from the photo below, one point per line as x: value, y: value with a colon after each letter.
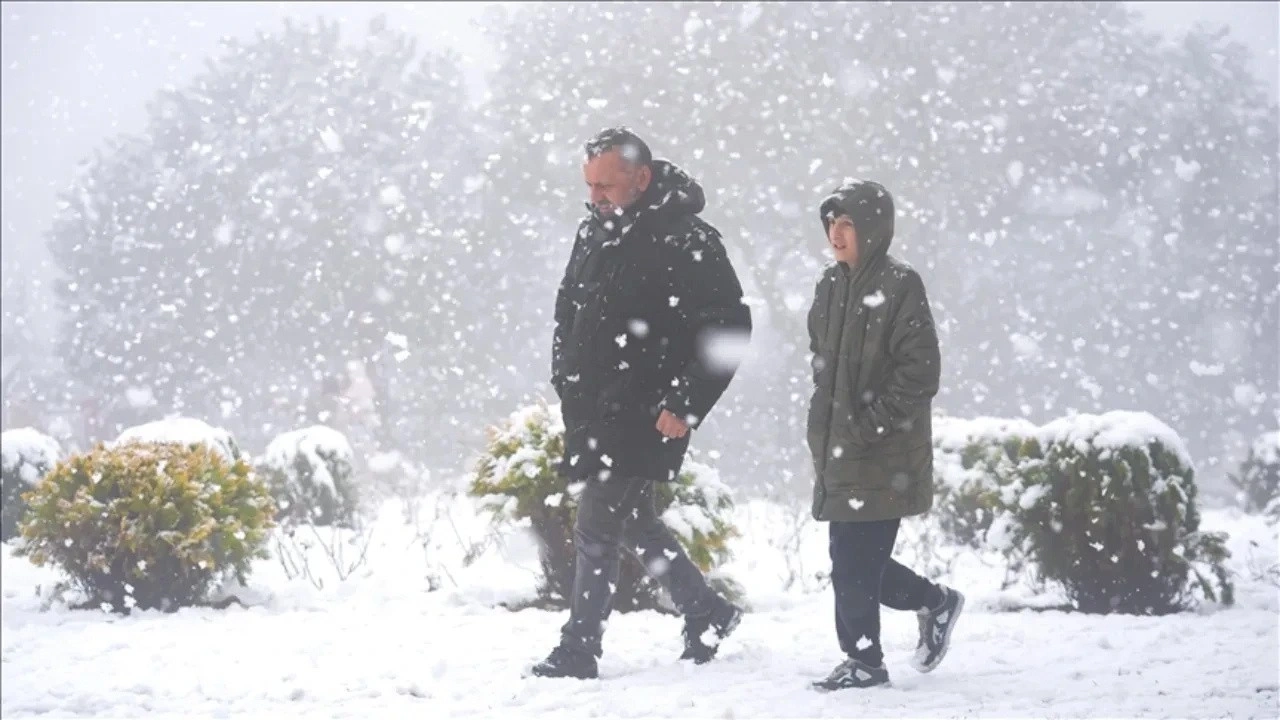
x: 183, y: 431
x: 1111, y: 513
x: 310, y: 474
x: 1258, y: 481
x: 517, y: 480
x: 1104, y: 505
x: 26, y: 455
x: 976, y: 470
x: 147, y: 525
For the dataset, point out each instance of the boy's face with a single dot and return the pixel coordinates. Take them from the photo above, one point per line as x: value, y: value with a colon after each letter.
x: 843, y: 239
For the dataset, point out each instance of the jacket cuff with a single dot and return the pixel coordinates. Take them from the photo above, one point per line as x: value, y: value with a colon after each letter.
x: 677, y: 402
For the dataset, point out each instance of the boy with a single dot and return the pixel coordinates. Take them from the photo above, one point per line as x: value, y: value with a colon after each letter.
x: 876, y: 368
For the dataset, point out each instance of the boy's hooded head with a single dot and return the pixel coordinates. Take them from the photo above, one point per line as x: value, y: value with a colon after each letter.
x: 869, y: 208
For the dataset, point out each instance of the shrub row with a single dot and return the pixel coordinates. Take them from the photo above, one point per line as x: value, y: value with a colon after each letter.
x: 156, y: 518
x: 1104, y: 505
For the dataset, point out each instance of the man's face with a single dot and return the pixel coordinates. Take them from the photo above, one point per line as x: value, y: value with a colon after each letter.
x: 614, y: 183
x: 843, y: 239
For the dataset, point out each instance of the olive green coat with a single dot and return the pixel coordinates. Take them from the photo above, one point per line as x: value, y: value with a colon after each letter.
x: 876, y: 368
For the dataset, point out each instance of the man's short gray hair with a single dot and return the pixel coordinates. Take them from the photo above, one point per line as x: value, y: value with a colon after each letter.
x: 633, y: 149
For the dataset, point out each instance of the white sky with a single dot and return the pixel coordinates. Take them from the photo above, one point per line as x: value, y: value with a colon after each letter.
x: 73, y: 74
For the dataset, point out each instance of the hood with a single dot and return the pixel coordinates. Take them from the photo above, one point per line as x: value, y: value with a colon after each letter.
x: 671, y: 192
x: 870, y: 206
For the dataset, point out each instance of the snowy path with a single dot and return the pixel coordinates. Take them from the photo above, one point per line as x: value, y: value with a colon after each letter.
x: 434, y: 660
x: 382, y: 646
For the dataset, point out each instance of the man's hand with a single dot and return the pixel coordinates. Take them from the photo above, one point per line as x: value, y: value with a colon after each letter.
x: 671, y: 426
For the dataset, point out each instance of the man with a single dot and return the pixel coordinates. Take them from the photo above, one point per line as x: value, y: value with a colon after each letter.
x: 647, y: 305
x: 876, y: 368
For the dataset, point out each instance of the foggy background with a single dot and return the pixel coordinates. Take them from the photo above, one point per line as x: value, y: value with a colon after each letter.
x: 1090, y: 197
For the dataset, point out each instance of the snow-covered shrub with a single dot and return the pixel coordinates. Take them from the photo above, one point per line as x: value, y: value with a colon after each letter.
x: 183, y: 431
x: 1258, y: 482
x: 976, y: 470
x: 309, y: 473
x: 978, y: 475
x: 147, y: 525
x: 696, y: 508
x: 1110, y: 513
x: 27, y: 454
x: 517, y: 479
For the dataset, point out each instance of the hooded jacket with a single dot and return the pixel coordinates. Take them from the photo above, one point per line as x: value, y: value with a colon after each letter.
x: 876, y: 368
x: 649, y: 317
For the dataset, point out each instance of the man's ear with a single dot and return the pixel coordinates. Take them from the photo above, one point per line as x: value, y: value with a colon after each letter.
x: 644, y: 177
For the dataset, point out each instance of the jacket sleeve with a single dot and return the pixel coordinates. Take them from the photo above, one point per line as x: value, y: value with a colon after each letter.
x: 915, y: 366
x: 565, y: 311
x: 706, y: 288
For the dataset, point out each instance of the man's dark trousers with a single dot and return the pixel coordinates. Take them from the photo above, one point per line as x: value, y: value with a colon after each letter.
x: 613, y: 515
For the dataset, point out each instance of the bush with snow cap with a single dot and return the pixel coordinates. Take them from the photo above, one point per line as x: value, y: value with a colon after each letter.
x: 1110, y: 513
x: 147, y: 524
x: 310, y: 474
x: 517, y: 479
x: 184, y: 431
x: 27, y: 455
x: 1258, y: 481
x: 977, y: 473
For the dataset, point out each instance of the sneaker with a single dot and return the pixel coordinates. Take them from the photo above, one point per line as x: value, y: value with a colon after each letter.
x: 935, y: 631
x: 566, y: 662
x: 702, y: 635
x: 853, y: 673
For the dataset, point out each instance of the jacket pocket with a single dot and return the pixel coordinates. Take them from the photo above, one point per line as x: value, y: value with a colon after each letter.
x: 857, y: 442
x: 623, y: 408
x: 898, y: 471
x: 614, y: 399
x: 903, y: 473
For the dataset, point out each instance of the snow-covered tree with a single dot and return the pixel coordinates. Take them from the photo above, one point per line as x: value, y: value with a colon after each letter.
x: 1039, y: 155
x: 300, y: 205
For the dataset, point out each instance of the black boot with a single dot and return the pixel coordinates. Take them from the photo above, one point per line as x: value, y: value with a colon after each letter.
x: 935, y: 631
x: 702, y: 635
x: 567, y: 662
x: 853, y: 673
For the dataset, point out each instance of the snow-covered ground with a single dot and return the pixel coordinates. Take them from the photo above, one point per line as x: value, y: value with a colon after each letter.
x: 382, y: 644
